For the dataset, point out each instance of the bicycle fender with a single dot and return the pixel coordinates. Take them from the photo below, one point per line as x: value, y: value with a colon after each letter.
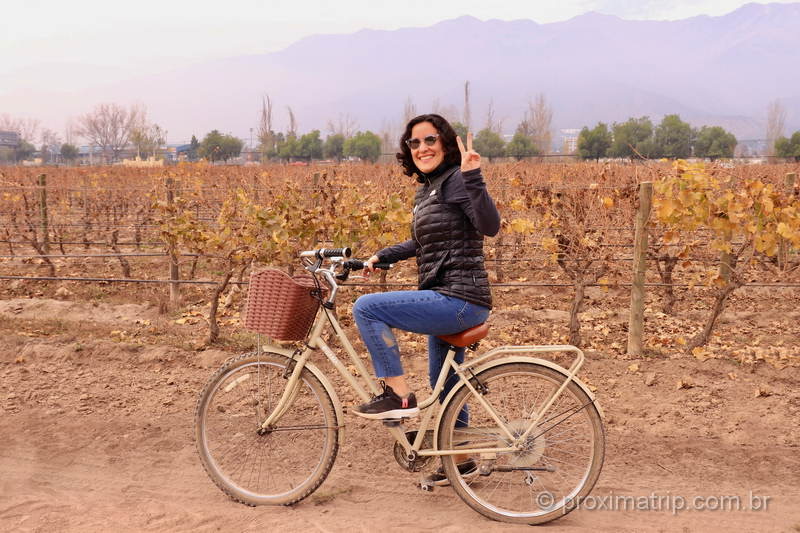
x: 326, y: 383
x: 514, y: 359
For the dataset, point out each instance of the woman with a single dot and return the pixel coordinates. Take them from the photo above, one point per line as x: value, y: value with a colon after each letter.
x: 452, y: 213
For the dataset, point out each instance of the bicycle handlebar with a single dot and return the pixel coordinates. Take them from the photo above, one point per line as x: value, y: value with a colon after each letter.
x: 328, y: 252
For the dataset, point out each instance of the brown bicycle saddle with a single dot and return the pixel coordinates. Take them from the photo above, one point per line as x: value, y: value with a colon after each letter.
x: 466, y: 337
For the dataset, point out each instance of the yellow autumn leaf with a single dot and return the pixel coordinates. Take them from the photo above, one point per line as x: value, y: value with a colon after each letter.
x: 550, y: 244
x: 666, y: 208
x: 607, y: 202
x: 784, y: 230
x: 671, y: 237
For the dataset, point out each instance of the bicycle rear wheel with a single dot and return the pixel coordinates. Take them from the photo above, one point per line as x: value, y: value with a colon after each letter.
x: 284, y: 464
x: 559, y: 463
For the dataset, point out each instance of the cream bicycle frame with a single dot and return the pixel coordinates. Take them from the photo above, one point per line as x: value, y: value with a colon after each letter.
x: 316, y: 342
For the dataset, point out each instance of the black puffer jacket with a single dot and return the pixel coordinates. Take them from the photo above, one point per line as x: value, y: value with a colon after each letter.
x: 452, y: 213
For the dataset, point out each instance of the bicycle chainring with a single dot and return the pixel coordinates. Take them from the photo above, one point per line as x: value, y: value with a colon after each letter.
x: 419, y: 462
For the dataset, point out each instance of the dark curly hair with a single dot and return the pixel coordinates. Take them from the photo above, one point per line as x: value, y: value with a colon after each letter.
x: 452, y: 155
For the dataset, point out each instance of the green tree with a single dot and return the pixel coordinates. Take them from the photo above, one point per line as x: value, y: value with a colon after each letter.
x: 364, y: 145
x: 69, y: 152
x: 520, y: 146
x: 594, y: 143
x: 218, y: 147
x: 288, y: 147
x: 633, y: 138
x: 714, y: 142
x: 789, y: 148
x: 310, y: 146
x: 334, y: 146
x: 488, y: 144
x: 25, y: 150
x: 673, y: 138
x: 461, y: 130
x: 194, y: 149
x: 273, y: 150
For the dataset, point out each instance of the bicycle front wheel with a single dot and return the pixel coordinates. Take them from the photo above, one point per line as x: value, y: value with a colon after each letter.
x: 281, y: 465
x: 558, y: 463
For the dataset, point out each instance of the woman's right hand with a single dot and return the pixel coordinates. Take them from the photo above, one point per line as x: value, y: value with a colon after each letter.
x: 369, y: 267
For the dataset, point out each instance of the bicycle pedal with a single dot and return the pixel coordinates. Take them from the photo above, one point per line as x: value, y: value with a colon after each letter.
x: 426, y: 485
x: 393, y: 422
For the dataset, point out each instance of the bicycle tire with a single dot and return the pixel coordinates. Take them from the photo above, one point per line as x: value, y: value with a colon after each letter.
x: 514, y: 487
x: 282, y: 466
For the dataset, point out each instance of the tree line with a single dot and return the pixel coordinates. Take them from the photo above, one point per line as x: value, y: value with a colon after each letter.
x: 111, y: 129
x: 639, y: 138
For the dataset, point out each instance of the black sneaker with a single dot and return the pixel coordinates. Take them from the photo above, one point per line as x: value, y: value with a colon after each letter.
x: 467, y: 469
x: 388, y: 405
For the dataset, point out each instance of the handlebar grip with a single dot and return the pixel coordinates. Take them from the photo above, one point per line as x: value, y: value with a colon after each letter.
x: 356, y: 264
x: 334, y: 252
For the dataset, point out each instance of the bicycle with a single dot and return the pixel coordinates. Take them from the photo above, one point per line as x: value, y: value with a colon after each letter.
x: 268, y: 424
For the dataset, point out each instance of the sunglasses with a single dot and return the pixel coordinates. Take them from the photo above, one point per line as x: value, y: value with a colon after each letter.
x: 429, y: 140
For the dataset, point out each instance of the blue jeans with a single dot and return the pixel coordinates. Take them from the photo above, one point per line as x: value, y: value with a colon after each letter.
x: 426, y: 312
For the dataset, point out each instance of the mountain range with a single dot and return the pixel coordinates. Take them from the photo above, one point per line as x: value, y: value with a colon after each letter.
x: 710, y: 70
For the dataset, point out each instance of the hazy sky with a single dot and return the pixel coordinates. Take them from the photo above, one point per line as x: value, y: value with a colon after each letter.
x: 149, y: 35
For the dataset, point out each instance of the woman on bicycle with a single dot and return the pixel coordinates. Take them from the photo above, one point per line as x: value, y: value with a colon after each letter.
x: 452, y: 213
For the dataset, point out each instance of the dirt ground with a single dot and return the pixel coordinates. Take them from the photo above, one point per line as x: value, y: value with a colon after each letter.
x: 96, y: 421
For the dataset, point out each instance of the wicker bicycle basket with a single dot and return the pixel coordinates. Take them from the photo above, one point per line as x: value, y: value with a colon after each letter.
x: 279, y: 306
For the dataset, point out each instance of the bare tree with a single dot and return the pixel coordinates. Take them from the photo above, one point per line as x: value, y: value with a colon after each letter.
x: 493, y: 124
x: 776, y: 120
x: 389, y: 136
x: 145, y: 136
x: 109, y: 126
x: 467, y: 114
x: 266, y: 135
x: 345, y: 125
x: 292, y: 124
x: 449, y: 112
x: 51, y: 144
x: 540, y: 117
x: 26, y: 127
x: 70, y: 132
x: 409, y: 110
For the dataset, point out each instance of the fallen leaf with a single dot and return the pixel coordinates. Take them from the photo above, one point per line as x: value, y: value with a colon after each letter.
x: 762, y: 392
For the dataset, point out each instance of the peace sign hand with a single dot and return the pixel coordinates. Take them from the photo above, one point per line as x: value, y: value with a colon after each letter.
x: 470, y: 159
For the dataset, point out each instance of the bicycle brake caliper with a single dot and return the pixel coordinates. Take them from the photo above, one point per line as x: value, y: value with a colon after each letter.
x: 292, y: 363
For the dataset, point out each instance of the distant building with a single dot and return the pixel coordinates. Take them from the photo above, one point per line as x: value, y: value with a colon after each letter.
x: 9, y: 139
x: 569, y: 140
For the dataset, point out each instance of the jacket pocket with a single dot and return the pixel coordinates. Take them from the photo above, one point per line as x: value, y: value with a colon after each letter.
x: 433, y: 277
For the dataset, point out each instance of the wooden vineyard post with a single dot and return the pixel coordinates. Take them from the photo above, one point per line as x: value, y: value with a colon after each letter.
x: 174, y: 273
x: 86, y: 222
x: 636, y: 322
x: 43, y: 213
x: 783, y: 249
